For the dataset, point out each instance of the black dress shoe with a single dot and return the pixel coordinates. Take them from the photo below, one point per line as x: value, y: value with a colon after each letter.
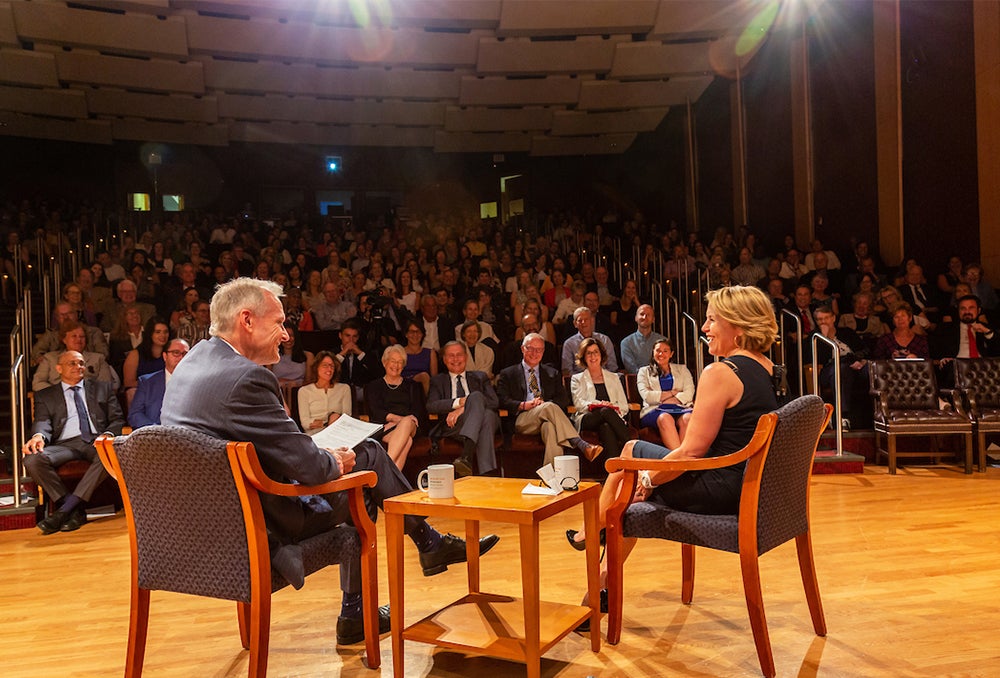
x: 351, y: 630
x: 463, y: 467
x: 77, y: 519
x: 581, y: 545
x: 53, y: 523
x: 452, y: 551
x: 585, y: 626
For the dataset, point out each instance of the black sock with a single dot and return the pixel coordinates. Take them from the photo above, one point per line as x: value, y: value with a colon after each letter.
x: 468, y: 449
x: 69, y: 503
x: 351, y: 605
x: 425, y: 538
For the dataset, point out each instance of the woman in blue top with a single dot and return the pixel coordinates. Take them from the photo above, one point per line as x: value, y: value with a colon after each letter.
x: 733, y: 393
x: 667, y: 391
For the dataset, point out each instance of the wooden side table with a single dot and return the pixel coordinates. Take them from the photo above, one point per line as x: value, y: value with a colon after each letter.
x: 520, y: 629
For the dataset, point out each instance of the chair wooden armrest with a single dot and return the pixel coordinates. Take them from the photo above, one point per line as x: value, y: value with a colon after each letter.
x: 765, y: 428
x: 635, y: 407
x: 250, y: 465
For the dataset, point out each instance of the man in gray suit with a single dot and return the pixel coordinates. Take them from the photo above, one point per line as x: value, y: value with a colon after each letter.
x: 469, y: 406
x: 223, y: 389
x: 68, y: 418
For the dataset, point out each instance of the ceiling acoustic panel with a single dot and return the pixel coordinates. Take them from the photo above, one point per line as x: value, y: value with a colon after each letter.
x: 583, y: 17
x: 574, y: 123
x: 492, y: 91
x: 58, y: 103
x: 154, y: 75
x: 300, y: 41
x: 609, y: 95
x: 331, y: 135
x: 175, y: 107
x: 21, y: 67
x: 305, y: 79
x: 704, y: 19
x: 497, y: 119
x: 466, y: 142
x: 522, y: 56
x: 549, y: 77
x: 33, y: 127
x: 170, y: 133
x: 606, y: 144
x: 311, y: 109
x: 452, y: 14
x: 648, y: 60
x: 134, y: 34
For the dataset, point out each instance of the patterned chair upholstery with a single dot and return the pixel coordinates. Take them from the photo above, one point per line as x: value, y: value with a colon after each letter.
x: 196, y: 526
x: 774, y: 508
x: 977, y: 382
x: 906, y: 404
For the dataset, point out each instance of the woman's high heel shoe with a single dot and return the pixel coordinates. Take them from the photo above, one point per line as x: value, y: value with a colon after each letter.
x: 582, y: 544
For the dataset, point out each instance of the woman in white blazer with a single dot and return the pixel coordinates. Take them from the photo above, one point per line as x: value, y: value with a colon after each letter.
x: 667, y: 392
x: 478, y: 356
x: 599, y: 398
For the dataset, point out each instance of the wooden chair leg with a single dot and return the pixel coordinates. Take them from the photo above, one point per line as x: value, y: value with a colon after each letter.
x: 981, y: 466
x: 138, y: 624
x: 755, y: 608
x: 243, y: 617
x: 615, y: 551
x: 968, y: 453
x: 687, y: 573
x: 891, y: 445
x: 260, y: 634
x: 807, y: 567
x: 369, y: 601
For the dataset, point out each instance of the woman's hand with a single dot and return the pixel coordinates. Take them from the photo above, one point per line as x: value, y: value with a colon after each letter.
x: 316, y: 423
x: 332, y: 417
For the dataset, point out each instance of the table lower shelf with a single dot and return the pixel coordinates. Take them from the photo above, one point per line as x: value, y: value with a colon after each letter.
x: 491, y: 624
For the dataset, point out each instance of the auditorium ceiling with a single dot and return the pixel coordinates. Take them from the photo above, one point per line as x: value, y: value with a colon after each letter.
x: 544, y: 77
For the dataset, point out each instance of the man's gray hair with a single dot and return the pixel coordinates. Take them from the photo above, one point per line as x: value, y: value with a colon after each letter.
x: 580, y: 311
x: 530, y: 337
x: 232, y: 297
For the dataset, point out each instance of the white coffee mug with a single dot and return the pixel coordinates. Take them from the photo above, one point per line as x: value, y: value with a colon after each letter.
x: 440, y: 481
x: 567, y: 469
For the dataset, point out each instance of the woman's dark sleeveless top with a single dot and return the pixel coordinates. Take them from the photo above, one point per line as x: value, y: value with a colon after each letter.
x: 740, y: 421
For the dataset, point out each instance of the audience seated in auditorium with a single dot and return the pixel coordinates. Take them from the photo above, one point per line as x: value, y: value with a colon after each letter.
x: 852, y: 354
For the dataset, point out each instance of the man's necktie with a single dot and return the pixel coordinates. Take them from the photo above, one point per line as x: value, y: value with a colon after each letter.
x: 973, y: 349
x: 459, y: 388
x: 86, y: 433
x: 533, y: 385
x: 806, y: 324
x: 348, y: 368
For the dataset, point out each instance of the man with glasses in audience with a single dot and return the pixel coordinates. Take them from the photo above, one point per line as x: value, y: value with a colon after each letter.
x: 534, y: 393
x: 148, y: 398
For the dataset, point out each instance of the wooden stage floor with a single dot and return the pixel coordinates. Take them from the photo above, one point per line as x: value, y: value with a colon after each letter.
x: 909, y: 570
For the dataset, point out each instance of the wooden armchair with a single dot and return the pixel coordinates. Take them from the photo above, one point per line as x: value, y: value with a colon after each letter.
x: 774, y: 508
x: 196, y: 526
x: 977, y: 385
x: 907, y: 404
